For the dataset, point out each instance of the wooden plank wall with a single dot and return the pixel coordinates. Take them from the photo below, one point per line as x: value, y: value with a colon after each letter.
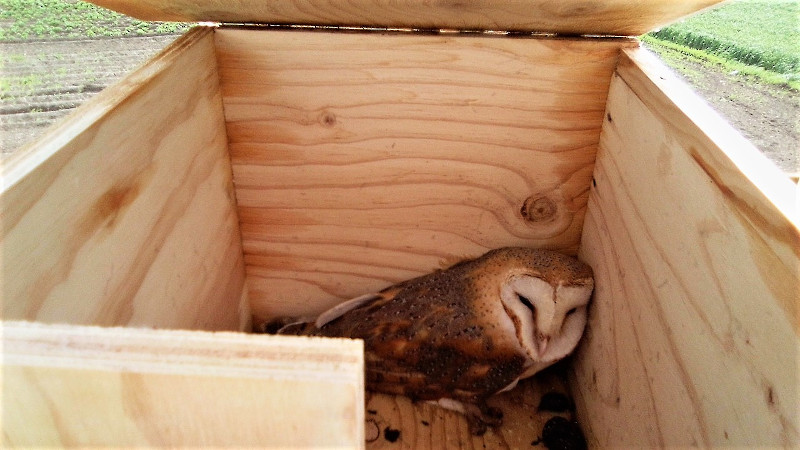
x: 124, y: 214
x: 575, y: 17
x: 692, y: 233
x: 364, y: 159
x: 67, y: 386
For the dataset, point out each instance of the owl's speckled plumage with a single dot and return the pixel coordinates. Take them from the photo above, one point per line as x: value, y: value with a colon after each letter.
x: 462, y: 333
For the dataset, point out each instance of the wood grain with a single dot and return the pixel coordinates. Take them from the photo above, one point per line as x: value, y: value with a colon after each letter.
x: 576, y: 17
x: 124, y: 214
x: 360, y: 160
x: 693, y: 236
x: 422, y: 426
x: 122, y: 387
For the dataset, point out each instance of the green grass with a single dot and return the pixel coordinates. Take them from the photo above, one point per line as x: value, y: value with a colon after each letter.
x: 762, y: 34
x: 43, y: 19
x: 20, y: 85
x: 673, y: 54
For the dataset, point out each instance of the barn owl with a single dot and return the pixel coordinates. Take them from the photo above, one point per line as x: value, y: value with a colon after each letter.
x: 457, y: 336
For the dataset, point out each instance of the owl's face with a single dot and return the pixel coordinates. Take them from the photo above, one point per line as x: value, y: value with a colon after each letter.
x: 548, y: 316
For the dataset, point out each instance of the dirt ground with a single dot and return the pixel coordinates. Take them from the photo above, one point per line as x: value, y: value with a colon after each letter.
x: 45, y: 80
x: 768, y: 115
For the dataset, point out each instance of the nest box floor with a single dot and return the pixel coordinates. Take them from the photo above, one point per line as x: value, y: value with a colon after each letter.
x: 396, y: 422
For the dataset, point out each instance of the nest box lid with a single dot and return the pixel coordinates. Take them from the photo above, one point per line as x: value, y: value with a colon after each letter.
x: 572, y: 17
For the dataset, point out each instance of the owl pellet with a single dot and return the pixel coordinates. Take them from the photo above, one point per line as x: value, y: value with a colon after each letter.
x: 562, y: 434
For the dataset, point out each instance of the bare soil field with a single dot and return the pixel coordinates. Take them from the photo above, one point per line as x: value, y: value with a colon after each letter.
x: 767, y: 115
x: 45, y: 80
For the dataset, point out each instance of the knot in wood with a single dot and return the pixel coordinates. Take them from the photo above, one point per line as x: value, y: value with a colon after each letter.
x: 327, y: 118
x: 538, y: 209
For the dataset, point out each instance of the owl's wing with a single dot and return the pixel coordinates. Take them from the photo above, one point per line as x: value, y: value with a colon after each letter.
x: 423, y: 346
x: 342, y: 308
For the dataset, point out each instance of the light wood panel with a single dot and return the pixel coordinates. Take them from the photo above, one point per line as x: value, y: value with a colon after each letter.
x: 124, y: 214
x: 609, y: 17
x: 122, y: 387
x: 693, y: 237
x: 360, y: 160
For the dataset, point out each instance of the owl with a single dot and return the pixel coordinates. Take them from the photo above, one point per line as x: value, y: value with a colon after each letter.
x: 457, y: 336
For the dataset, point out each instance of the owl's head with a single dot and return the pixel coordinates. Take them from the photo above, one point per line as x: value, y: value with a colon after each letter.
x: 547, y: 299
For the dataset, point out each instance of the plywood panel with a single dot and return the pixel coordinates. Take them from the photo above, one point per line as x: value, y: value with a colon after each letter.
x: 86, y: 386
x: 124, y: 213
x: 361, y: 160
x: 693, y: 237
x: 611, y: 17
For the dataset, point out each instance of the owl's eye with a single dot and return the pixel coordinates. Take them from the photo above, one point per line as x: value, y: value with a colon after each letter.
x: 571, y: 311
x: 527, y: 302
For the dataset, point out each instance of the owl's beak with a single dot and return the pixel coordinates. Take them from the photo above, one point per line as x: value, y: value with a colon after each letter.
x: 543, y: 341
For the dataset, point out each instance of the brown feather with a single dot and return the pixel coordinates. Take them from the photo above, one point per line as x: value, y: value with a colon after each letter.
x: 441, y: 335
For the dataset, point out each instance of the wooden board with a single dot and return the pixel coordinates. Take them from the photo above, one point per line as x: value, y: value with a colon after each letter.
x: 124, y: 213
x: 395, y: 422
x: 360, y: 160
x: 122, y: 387
x: 593, y: 17
x: 693, y: 237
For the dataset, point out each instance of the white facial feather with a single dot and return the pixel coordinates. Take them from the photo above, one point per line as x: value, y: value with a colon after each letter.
x: 539, y: 294
x: 571, y: 303
x: 554, y: 327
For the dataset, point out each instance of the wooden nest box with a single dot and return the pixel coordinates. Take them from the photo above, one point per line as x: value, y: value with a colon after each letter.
x: 306, y: 152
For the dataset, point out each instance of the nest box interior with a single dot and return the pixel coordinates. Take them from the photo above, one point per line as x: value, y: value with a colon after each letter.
x: 256, y: 169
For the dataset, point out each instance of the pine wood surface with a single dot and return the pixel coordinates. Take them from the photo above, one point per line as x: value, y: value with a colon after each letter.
x: 395, y: 422
x: 361, y: 160
x: 693, y: 237
x: 123, y: 387
x: 574, y: 17
x: 124, y: 213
